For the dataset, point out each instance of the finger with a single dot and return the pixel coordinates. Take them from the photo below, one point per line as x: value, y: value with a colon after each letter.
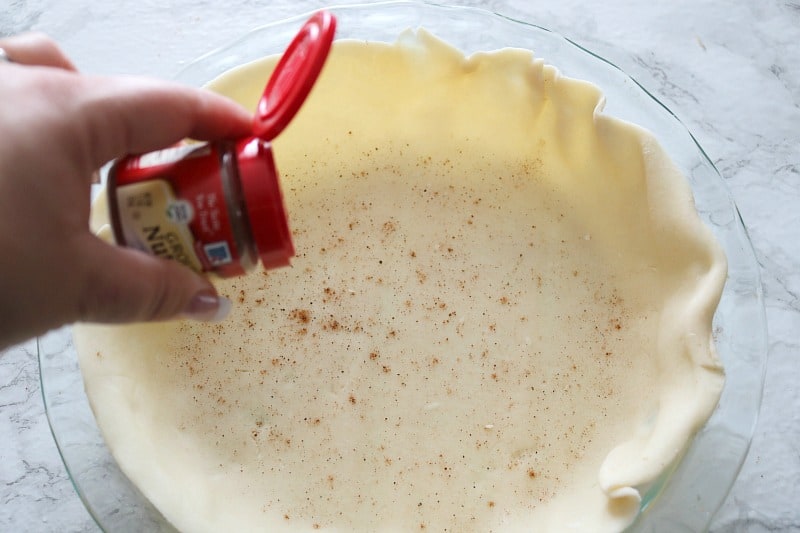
x: 35, y: 49
x: 123, y: 285
x: 136, y: 115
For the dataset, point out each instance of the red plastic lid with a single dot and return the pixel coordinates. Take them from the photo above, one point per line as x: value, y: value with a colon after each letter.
x: 264, y: 202
x: 294, y: 76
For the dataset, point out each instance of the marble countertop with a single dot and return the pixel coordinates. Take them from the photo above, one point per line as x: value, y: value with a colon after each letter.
x: 727, y: 68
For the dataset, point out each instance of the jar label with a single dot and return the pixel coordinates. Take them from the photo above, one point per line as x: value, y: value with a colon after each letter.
x: 154, y: 220
x: 172, y: 154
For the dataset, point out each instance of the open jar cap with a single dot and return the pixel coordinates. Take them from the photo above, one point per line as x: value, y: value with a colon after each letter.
x: 286, y: 90
x: 269, y: 224
x: 294, y: 76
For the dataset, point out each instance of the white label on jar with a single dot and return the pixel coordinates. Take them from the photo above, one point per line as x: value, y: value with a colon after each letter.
x: 151, y: 220
x: 172, y: 154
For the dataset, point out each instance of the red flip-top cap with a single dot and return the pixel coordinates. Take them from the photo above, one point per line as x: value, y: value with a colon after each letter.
x: 264, y: 202
x: 286, y: 90
x: 294, y: 76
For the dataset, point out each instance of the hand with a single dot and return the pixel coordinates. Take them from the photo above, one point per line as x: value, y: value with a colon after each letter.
x: 57, y: 127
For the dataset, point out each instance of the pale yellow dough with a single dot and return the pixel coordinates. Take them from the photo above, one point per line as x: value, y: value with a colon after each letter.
x: 499, y: 318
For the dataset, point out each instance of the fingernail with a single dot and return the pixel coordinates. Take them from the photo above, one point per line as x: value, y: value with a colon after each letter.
x: 208, y: 307
x: 105, y: 233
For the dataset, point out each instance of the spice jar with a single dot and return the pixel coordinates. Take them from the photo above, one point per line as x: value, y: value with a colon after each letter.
x: 217, y: 206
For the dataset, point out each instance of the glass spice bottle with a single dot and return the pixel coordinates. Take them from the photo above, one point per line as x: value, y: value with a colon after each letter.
x: 217, y: 206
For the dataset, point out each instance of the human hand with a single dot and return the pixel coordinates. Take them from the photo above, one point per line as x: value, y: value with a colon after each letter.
x: 57, y: 127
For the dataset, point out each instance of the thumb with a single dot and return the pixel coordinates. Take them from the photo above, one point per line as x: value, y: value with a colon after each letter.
x: 125, y: 285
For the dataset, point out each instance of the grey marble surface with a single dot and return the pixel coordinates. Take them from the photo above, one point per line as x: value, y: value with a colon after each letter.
x: 727, y: 68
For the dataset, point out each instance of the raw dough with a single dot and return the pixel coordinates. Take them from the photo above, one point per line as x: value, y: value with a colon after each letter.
x: 499, y: 318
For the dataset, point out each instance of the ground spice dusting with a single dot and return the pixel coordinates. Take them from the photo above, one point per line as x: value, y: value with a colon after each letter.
x: 301, y: 315
x: 454, y: 312
x: 462, y: 308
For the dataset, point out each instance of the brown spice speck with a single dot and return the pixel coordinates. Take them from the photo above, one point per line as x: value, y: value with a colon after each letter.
x: 332, y: 325
x: 301, y: 315
x: 352, y: 399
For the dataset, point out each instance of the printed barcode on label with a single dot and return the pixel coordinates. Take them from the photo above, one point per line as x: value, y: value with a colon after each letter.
x: 218, y: 253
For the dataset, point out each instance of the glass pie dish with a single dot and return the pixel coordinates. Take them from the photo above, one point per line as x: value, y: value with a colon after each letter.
x: 683, y: 498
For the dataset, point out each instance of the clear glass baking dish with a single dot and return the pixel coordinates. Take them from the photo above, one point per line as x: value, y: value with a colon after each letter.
x: 683, y: 499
